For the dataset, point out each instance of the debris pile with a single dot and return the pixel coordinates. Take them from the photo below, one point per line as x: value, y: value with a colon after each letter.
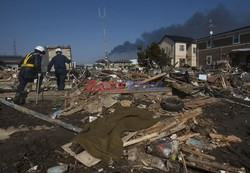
x: 172, y: 144
x: 163, y: 122
x: 8, y: 79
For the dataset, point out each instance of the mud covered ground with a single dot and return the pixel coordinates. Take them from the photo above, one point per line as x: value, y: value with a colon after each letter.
x: 25, y: 149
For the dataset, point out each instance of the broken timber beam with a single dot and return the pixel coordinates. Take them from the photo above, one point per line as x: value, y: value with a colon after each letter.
x: 41, y: 116
x: 159, y: 75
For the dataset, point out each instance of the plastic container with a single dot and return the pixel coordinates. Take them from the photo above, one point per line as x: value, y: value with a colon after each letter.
x: 163, y: 148
x: 58, y: 169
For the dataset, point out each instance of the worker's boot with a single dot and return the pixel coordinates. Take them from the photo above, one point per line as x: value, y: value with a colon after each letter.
x: 17, y: 98
x: 23, y: 97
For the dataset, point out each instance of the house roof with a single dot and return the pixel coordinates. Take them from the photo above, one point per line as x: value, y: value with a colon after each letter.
x: 178, y: 39
x: 122, y: 61
x: 10, y: 59
x: 102, y: 61
x: 226, y: 32
x: 58, y: 46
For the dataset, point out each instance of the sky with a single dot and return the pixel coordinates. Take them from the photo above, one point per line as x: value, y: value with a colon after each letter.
x: 77, y: 22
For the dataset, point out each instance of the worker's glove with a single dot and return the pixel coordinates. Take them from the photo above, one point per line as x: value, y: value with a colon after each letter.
x: 48, y: 74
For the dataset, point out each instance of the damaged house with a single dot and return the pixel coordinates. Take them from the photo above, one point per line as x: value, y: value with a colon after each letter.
x: 230, y: 45
x: 179, y: 49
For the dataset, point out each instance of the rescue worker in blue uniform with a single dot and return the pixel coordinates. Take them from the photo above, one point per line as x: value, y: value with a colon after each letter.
x: 30, y: 70
x: 59, y: 62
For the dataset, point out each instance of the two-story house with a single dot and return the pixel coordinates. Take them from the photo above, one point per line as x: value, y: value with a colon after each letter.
x: 218, y: 47
x: 179, y: 49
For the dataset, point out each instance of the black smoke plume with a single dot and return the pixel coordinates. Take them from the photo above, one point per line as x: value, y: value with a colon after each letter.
x: 196, y: 26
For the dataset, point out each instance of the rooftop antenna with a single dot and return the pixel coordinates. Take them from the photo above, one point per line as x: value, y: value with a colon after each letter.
x: 14, y: 48
x: 103, y: 16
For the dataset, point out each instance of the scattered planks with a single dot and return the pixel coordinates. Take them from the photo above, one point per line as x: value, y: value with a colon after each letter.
x: 173, y: 121
x: 168, y: 127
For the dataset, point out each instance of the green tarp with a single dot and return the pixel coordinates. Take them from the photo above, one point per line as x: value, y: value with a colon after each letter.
x: 102, y: 137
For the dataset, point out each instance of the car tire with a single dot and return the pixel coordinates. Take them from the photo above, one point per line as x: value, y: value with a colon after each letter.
x: 172, y: 104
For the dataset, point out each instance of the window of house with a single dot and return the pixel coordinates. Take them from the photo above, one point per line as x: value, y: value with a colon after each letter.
x: 194, y: 49
x: 236, y: 38
x: 209, y: 60
x: 209, y: 43
x: 181, y: 47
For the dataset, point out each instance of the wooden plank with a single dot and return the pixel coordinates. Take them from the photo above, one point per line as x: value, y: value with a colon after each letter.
x: 159, y: 75
x: 41, y: 116
x: 154, y: 78
x: 197, y: 153
x: 169, y: 132
x: 173, y: 121
x: 186, y: 137
x: 84, y: 157
x: 184, y: 163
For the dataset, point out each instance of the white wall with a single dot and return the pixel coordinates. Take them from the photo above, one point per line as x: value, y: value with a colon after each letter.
x: 191, y: 56
x: 180, y: 54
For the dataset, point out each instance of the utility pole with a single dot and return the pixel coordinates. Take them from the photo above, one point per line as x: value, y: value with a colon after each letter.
x: 103, y: 16
x: 211, y: 27
x: 14, y: 48
x: 211, y: 32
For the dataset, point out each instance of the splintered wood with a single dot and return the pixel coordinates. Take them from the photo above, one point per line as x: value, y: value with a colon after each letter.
x: 162, y: 129
x: 173, y: 121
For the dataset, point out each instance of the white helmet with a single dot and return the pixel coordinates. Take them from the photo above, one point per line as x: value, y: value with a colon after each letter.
x: 58, y: 50
x: 40, y: 48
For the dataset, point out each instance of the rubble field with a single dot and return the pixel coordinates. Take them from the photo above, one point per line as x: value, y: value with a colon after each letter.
x: 25, y: 149
x: 116, y: 120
